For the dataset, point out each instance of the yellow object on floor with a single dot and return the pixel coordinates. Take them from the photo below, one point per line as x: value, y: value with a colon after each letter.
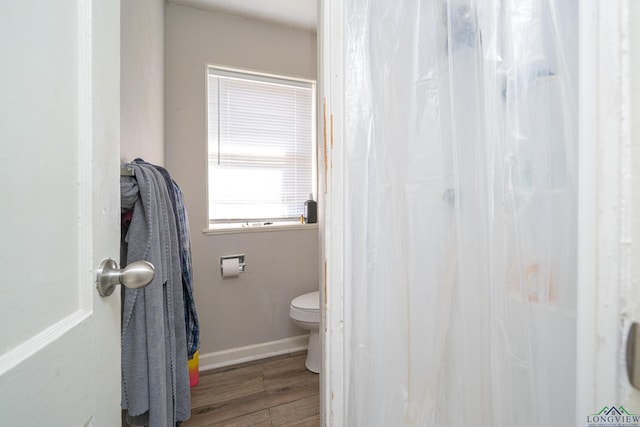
x: 194, y: 373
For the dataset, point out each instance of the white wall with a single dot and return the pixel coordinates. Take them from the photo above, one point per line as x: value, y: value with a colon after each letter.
x: 253, y: 308
x: 142, y: 81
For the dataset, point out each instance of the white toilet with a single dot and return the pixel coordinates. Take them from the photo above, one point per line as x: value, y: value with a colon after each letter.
x: 305, y: 312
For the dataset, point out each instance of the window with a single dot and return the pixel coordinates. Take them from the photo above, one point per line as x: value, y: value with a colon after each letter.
x: 261, y: 140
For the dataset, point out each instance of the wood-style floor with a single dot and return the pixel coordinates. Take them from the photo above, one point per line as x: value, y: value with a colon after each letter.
x: 278, y: 391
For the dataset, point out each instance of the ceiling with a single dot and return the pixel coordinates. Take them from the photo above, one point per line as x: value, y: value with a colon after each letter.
x: 290, y: 13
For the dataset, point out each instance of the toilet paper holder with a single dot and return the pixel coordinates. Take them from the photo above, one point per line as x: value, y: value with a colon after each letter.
x: 241, y: 264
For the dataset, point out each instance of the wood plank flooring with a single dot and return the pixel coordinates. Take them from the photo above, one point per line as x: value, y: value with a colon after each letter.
x: 278, y: 391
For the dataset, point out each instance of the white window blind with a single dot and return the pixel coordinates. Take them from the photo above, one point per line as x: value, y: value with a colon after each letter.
x: 261, y: 147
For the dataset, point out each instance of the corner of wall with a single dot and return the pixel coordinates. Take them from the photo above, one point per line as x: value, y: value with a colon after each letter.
x: 142, y: 81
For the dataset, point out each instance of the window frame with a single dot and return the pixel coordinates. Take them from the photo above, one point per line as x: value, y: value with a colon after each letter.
x: 261, y: 224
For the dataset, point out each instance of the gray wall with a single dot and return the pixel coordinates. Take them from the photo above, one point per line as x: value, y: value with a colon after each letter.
x: 252, y: 308
x: 142, y: 81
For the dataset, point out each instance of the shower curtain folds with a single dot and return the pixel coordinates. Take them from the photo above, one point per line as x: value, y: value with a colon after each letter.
x: 466, y: 312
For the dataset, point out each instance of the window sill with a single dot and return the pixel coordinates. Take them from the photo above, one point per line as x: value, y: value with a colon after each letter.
x: 260, y: 229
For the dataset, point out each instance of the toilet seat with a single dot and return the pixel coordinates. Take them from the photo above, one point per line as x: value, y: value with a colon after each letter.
x: 306, y: 308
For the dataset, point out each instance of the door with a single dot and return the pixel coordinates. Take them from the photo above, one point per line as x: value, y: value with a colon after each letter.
x: 59, y: 127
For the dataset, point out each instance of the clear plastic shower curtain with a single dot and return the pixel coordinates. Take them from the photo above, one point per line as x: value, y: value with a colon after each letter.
x: 461, y: 134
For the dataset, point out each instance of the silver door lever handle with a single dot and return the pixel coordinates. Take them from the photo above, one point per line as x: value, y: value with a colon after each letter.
x: 633, y: 355
x: 134, y: 276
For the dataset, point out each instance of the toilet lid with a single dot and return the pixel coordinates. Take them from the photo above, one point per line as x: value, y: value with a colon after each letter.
x: 310, y: 301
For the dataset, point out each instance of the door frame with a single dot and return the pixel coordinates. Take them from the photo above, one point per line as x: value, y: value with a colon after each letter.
x: 330, y: 42
x: 606, y: 200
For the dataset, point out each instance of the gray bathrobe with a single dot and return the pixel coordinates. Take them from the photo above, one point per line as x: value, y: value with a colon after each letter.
x: 155, y: 377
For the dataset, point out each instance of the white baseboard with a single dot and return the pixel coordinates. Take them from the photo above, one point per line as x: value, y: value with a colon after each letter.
x: 234, y: 356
